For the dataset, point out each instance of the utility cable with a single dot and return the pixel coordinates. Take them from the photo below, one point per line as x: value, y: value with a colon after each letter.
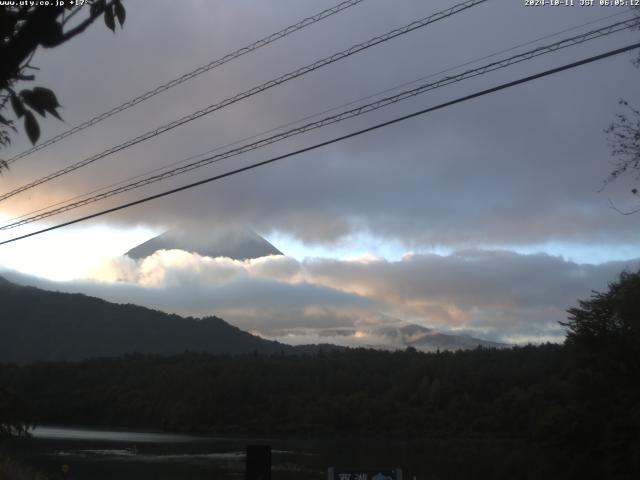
x: 188, y: 76
x: 334, y: 140
x: 253, y: 91
x: 314, y: 115
x: 616, y: 27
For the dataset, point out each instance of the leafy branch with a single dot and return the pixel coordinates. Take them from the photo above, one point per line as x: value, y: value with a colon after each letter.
x: 23, y: 29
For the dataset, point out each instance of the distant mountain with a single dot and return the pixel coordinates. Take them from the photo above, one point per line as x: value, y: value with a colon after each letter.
x: 393, y: 334
x: 236, y: 243
x: 429, y: 340
x: 40, y: 325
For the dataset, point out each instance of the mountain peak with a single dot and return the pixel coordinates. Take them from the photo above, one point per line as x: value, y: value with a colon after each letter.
x: 239, y: 243
x: 427, y: 339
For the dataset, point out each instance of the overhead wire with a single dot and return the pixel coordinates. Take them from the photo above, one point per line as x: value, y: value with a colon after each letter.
x: 252, y: 166
x: 384, y: 102
x: 188, y: 76
x: 314, y: 115
x: 423, y: 22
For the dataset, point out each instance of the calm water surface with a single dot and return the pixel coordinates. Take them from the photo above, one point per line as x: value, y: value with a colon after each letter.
x: 126, y: 455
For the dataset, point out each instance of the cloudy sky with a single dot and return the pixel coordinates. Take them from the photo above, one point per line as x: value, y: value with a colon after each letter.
x: 487, y: 217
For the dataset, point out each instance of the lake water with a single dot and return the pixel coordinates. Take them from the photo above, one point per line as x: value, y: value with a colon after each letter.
x: 125, y: 455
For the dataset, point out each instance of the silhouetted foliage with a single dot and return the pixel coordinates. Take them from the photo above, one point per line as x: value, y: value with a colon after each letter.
x: 624, y: 141
x: 603, y: 342
x: 14, y: 413
x: 624, y: 138
x: 608, y: 324
x: 26, y: 26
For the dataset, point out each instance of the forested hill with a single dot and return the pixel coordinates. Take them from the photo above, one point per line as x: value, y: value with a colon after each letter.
x: 556, y: 412
x: 39, y: 325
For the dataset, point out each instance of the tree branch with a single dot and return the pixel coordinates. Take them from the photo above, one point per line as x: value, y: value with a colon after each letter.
x: 71, y: 15
x: 82, y: 26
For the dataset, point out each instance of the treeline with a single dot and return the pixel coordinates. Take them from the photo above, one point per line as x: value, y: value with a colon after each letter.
x: 370, y: 391
x: 550, y: 396
x: 575, y: 406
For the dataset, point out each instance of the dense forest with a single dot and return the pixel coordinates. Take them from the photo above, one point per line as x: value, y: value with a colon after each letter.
x: 371, y: 391
x: 575, y: 406
x: 543, y: 395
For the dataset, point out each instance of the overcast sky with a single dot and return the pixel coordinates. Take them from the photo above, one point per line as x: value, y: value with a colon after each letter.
x: 486, y: 217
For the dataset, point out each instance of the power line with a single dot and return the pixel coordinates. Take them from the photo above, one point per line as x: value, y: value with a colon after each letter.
x: 314, y: 115
x: 253, y: 91
x: 334, y: 140
x: 336, y: 118
x: 384, y: 102
x: 188, y: 76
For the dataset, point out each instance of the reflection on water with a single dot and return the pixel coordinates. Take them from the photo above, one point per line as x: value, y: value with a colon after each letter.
x: 133, y: 455
x: 64, y: 433
x: 101, y: 455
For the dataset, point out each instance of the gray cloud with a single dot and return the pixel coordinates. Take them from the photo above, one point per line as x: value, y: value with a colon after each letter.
x: 518, y: 167
x: 497, y: 295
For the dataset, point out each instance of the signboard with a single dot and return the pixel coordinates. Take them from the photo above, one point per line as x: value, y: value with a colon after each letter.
x: 334, y: 473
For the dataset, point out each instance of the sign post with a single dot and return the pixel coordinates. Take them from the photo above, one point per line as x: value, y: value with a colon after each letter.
x: 258, y: 462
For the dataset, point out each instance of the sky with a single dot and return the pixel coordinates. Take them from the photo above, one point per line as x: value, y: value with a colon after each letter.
x: 487, y: 218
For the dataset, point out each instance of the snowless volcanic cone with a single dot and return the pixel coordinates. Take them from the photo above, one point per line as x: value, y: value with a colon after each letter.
x: 236, y: 243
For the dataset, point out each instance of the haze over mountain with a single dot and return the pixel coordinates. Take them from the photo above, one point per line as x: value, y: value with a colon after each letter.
x: 237, y: 243
x: 428, y: 339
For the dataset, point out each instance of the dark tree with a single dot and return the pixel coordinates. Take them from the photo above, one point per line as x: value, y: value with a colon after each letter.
x: 24, y: 28
x: 604, y: 342
x: 608, y: 324
x: 14, y: 414
x: 624, y: 142
x: 624, y: 138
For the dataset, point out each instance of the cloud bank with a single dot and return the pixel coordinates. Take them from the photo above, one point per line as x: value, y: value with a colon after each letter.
x: 520, y: 167
x: 496, y: 295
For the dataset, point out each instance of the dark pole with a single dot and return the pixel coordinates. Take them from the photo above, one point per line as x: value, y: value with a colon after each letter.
x: 258, y: 462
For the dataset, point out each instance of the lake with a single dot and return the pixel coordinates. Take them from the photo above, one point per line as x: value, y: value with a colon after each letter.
x: 126, y: 455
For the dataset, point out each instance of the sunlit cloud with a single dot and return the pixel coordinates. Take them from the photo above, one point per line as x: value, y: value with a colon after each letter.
x: 494, y: 294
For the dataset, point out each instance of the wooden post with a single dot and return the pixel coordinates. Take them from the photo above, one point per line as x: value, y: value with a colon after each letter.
x: 258, y: 464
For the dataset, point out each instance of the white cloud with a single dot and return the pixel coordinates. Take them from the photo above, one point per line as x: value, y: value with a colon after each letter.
x: 497, y: 295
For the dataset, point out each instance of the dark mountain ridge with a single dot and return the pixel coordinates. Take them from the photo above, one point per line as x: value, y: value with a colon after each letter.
x: 40, y: 325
